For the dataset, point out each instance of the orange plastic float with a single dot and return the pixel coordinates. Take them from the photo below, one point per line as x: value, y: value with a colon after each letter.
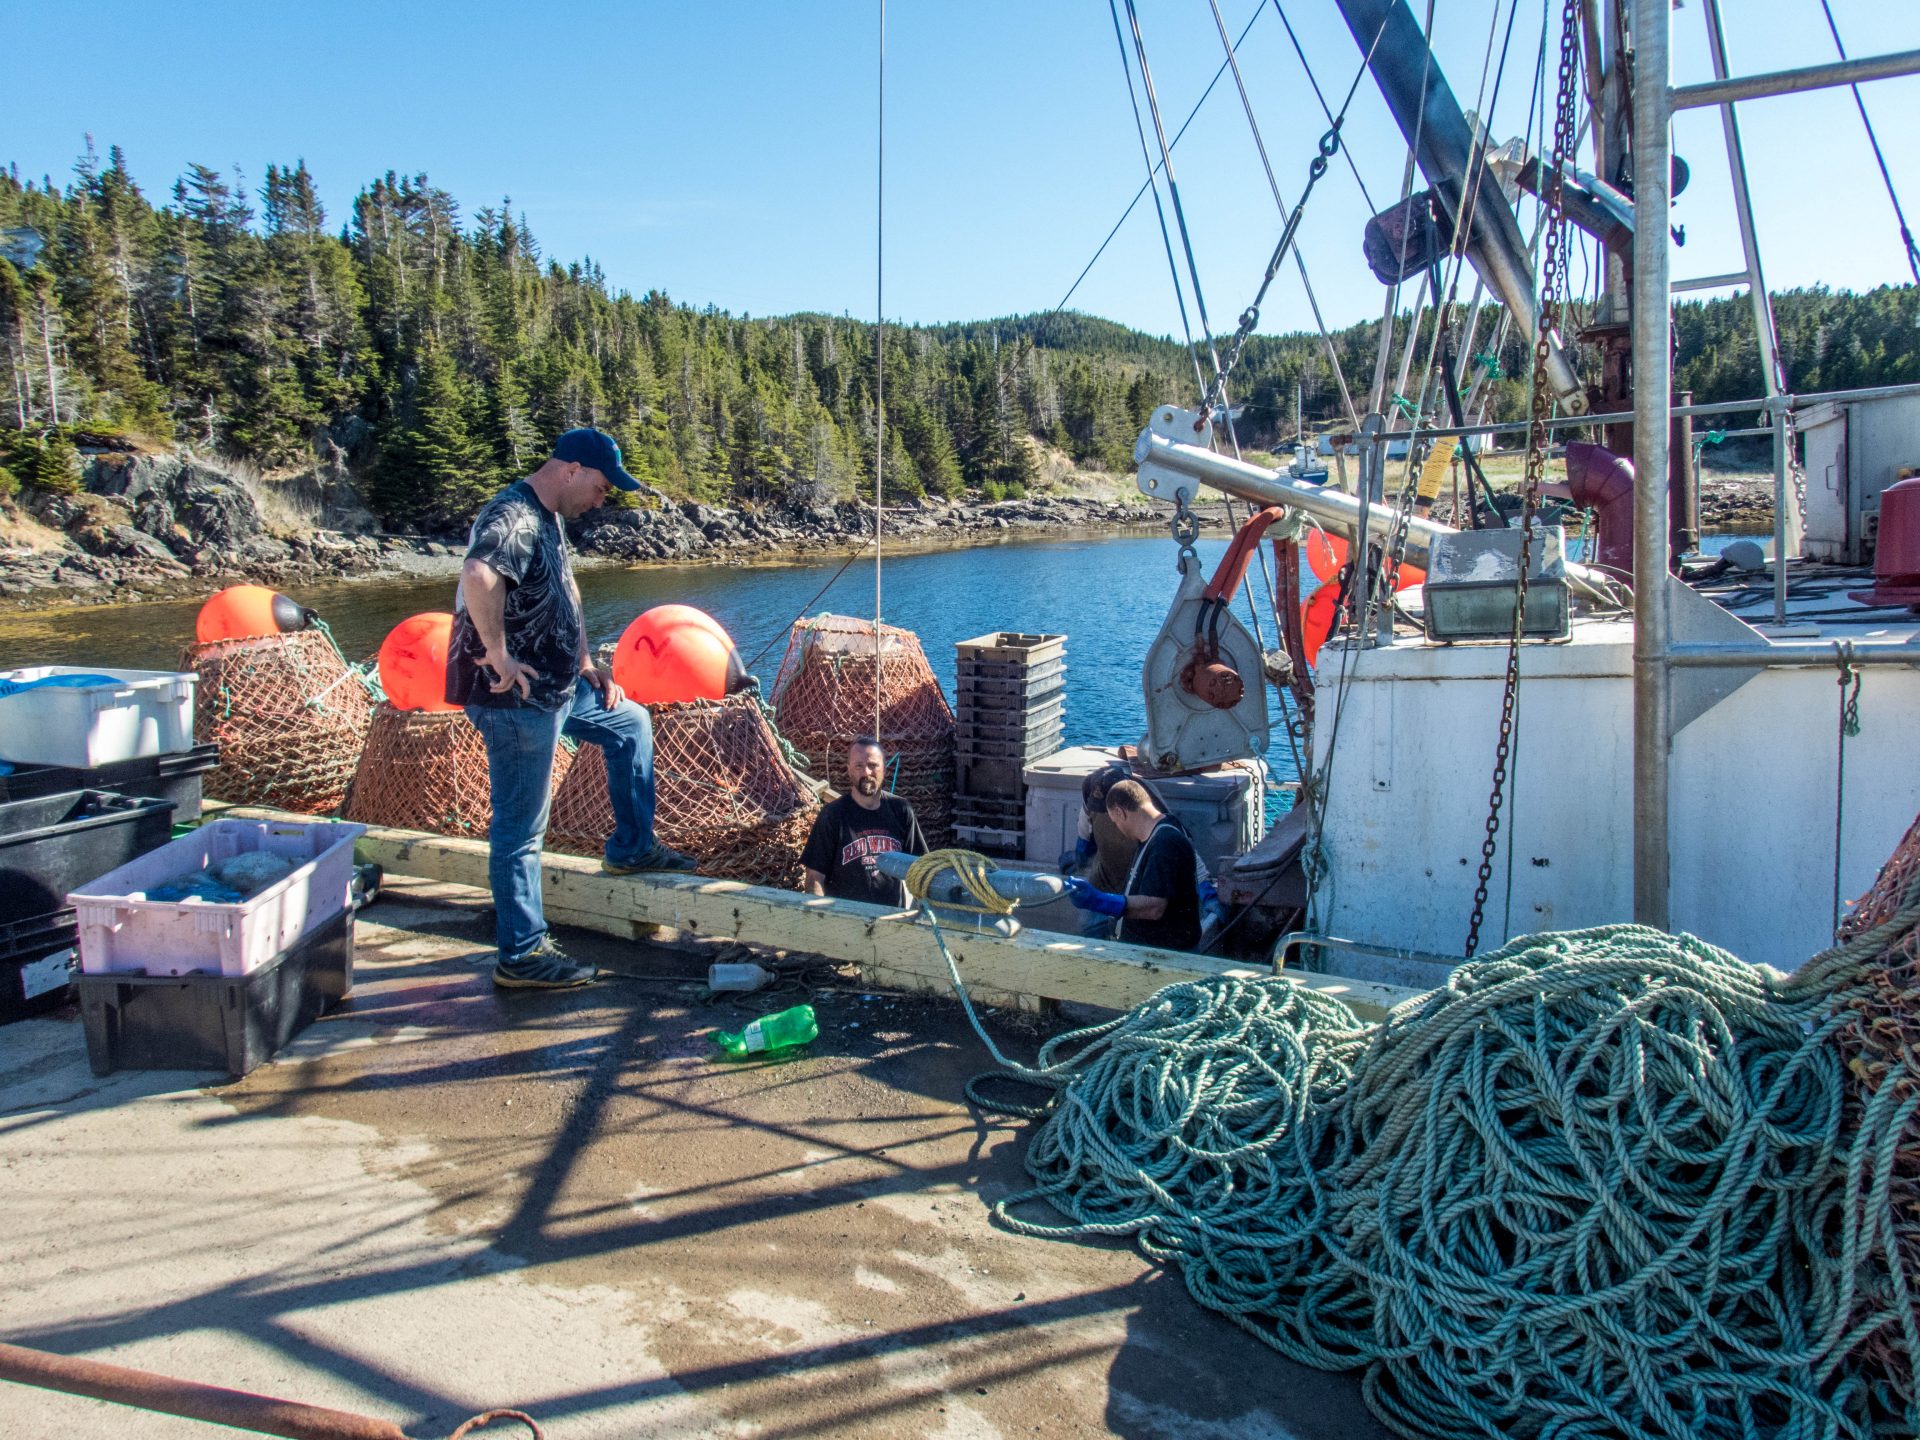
x: 245, y: 612
x: 1316, y: 618
x: 1327, y: 553
x: 675, y: 653
x: 413, y: 662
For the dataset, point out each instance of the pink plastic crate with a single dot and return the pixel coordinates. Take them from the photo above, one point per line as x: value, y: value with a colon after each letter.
x: 123, y: 931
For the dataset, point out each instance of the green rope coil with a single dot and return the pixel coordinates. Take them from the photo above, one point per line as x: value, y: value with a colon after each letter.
x: 1600, y: 1184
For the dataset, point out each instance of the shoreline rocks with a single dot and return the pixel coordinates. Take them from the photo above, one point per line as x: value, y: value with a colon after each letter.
x: 156, y: 527
x: 159, y: 526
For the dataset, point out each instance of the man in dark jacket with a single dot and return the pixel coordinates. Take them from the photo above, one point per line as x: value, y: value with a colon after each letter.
x: 863, y: 823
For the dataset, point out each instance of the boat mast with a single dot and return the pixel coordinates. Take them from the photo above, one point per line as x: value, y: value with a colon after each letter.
x: 1652, y: 388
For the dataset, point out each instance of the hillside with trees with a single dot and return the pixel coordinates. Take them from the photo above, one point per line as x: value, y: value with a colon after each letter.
x: 442, y: 351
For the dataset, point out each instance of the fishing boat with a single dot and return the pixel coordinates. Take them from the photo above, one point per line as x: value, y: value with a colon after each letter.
x: 1691, y: 745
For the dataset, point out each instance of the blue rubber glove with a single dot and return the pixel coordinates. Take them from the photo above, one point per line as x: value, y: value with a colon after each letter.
x: 1101, y: 902
x: 1071, y: 860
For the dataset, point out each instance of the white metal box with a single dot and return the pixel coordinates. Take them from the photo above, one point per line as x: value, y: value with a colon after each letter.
x: 1854, y: 451
x: 1224, y: 810
x: 122, y: 931
x: 138, y: 713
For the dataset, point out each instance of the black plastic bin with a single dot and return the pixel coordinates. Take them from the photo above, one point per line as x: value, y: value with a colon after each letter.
x: 35, y: 963
x: 56, y: 843
x: 216, y: 1022
x: 175, y: 777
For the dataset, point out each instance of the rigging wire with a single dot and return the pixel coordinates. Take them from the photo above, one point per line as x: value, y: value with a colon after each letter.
x: 1906, y: 235
x: 1259, y: 141
x: 1193, y: 274
x: 1191, y: 116
x: 1166, y: 237
x: 1319, y: 95
x: 880, y: 348
x: 1180, y: 219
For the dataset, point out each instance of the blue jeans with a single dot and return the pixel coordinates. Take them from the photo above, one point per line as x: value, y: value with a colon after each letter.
x: 1095, y: 926
x: 520, y: 743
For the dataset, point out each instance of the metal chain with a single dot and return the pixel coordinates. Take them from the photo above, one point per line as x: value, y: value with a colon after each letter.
x: 1553, y: 280
x: 1184, y: 526
x: 1849, y: 727
x: 1250, y: 317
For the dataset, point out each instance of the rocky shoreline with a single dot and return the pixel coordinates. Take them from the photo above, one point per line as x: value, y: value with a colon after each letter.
x: 175, y: 525
x: 167, y: 526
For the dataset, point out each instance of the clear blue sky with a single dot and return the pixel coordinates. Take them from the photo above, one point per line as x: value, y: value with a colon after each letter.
x: 725, y: 153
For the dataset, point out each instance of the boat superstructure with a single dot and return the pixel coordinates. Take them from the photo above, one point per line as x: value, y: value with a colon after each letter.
x: 1706, y: 747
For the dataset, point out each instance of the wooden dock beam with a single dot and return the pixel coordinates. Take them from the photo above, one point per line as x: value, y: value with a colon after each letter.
x: 888, y: 946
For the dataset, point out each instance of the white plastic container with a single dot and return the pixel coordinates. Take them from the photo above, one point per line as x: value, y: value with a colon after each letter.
x: 122, y: 931
x: 138, y: 714
x: 1223, y: 809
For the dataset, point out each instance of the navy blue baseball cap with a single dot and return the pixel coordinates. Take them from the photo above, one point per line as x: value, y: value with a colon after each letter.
x: 595, y: 450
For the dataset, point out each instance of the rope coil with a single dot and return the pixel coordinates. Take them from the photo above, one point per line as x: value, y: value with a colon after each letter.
x: 1600, y: 1184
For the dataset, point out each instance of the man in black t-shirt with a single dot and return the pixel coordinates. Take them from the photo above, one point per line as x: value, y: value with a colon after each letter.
x: 861, y: 824
x: 1161, y: 904
x: 518, y: 665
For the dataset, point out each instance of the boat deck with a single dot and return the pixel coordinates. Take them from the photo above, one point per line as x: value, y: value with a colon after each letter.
x: 444, y: 1199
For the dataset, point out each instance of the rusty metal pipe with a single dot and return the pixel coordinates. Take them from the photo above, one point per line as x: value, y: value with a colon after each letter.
x: 144, y: 1390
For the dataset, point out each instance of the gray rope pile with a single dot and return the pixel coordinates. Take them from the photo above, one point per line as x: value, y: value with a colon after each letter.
x: 1604, y: 1183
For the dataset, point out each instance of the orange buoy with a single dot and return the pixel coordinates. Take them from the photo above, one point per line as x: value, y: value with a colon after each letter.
x: 245, y: 612
x: 675, y: 653
x: 413, y: 662
x: 1327, y: 553
x: 1316, y: 618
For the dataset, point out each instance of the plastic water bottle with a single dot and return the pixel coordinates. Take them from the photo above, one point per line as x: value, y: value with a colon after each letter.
x: 769, y: 1032
x: 741, y: 975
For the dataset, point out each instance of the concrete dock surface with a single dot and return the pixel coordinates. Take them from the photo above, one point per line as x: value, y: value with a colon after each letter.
x: 444, y: 1199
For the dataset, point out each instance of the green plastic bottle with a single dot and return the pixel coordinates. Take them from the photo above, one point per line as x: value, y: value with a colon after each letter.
x: 769, y: 1032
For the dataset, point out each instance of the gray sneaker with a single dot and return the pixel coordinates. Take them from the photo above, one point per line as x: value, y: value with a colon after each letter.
x: 660, y: 857
x: 546, y: 967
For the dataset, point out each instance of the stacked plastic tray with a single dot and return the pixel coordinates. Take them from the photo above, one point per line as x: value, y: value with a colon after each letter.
x: 1010, y: 702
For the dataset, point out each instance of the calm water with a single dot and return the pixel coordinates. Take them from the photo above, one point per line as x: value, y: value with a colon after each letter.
x: 1107, y: 594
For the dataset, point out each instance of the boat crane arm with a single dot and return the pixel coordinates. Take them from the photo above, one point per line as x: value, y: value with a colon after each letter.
x: 1172, y: 468
x: 1409, y: 78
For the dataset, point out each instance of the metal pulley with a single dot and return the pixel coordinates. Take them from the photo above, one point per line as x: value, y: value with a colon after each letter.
x: 1213, y: 681
x: 1205, y: 672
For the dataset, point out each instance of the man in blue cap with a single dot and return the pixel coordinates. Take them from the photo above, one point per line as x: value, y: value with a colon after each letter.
x: 518, y: 662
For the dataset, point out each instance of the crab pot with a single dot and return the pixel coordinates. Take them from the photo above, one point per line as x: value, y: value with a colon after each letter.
x: 838, y: 681
x: 724, y: 793
x: 289, y: 715
x: 427, y: 770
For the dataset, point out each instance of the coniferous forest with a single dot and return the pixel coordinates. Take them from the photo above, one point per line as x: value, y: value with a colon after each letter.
x: 443, y: 352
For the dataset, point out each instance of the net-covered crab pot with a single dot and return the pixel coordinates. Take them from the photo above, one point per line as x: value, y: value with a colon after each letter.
x: 1885, y: 1068
x: 724, y: 793
x: 427, y: 770
x: 289, y: 715
x: 838, y: 681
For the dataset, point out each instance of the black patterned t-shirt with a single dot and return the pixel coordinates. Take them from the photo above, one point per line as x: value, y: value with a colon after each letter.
x: 521, y: 540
